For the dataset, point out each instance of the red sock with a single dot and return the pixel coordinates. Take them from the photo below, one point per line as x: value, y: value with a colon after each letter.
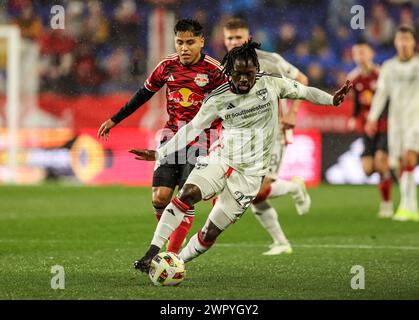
x: 385, y: 189
x: 408, y: 168
x: 177, y: 236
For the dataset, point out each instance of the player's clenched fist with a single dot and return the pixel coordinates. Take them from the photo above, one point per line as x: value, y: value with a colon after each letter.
x: 341, y: 93
x: 144, y: 154
x: 103, y: 132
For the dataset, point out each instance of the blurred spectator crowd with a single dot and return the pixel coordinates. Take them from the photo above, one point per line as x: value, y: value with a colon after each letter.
x: 103, y: 48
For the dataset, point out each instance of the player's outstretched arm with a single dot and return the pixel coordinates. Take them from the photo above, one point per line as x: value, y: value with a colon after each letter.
x: 203, y: 119
x: 179, y: 141
x: 294, y: 90
x: 136, y: 101
x: 144, y: 154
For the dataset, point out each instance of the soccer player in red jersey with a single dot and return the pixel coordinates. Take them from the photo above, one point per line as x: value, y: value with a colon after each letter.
x: 189, y: 76
x: 375, y: 155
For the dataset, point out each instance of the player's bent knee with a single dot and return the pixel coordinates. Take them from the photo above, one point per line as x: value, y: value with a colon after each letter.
x: 161, y: 197
x: 190, y: 194
x: 369, y: 173
x: 160, y: 202
x: 368, y: 170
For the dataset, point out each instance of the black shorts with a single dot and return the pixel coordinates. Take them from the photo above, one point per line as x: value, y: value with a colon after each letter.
x: 372, y: 145
x: 175, y: 169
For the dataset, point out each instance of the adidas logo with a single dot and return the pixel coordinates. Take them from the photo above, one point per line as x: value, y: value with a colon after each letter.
x: 231, y: 106
x: 171, y: 78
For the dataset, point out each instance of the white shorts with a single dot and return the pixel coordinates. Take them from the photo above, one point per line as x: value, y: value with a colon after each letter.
x: 400, y: 141
x: 235, y: 190
x: 277, y: 157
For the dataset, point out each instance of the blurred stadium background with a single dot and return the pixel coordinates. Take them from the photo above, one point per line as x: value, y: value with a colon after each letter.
x: 70, y: 80
x: 58, y: 88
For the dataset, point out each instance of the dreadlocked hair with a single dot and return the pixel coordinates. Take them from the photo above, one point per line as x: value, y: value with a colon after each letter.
x: 246, y: 52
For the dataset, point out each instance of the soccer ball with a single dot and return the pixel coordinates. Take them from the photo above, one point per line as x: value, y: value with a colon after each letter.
x: 167, y: 269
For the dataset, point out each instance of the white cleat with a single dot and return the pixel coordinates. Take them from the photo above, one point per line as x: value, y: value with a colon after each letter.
x: 301, y: 197
x: 386, y: 210
x: 276, y: 249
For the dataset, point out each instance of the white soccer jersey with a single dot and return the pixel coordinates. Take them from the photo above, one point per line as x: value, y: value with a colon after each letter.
x: 398, y: 81
x: 250, y: 121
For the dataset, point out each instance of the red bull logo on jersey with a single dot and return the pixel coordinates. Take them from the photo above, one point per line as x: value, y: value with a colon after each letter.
x: 366, y: 97
x: 201, y: 79
x: 185, y: 97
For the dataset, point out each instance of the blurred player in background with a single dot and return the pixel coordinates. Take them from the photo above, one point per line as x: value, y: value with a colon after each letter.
x: 189, y: 75
x: 399, y: 82
x: 236, y: 32
x: 248, y: 106
x: 375, y: 155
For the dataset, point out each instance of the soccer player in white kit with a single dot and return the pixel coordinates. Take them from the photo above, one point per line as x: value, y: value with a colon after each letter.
x: 399, y: 82
x: 234, y: 170
x: 236, y: 32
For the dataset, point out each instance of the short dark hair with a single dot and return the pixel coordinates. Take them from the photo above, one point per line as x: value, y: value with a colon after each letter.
x: 362, y: 42
x: 406, y: 29
x: 236, y: 23
x: 190, y: 25
x: 246, y: 52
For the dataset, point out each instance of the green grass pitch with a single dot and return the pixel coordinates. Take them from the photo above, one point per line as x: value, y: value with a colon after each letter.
x: 95, y: 233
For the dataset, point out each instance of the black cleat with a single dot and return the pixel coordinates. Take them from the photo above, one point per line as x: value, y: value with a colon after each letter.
x: 143, y: 264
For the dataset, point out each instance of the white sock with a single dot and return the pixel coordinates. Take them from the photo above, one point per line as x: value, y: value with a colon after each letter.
x: 169, y: 221
x: 404, y: 190
x: 412, y: 204
x: 282, y: 187
x: 193, y: 249
x: 268, y: 218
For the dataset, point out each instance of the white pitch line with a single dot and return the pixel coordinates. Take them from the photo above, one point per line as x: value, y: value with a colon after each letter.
x: 330, y: 246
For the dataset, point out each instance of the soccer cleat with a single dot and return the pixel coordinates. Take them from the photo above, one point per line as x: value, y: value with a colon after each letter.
x: 301, y: 197
x: 386, y: 209
x: 143, y: 264
x: 276, y: 249
x: 406, y: 215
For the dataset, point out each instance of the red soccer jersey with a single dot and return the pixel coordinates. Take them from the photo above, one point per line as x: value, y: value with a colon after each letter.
x: 364, y: 86
x: 187, y: 85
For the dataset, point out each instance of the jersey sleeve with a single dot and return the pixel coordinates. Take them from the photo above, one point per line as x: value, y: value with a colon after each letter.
x: 207, y: 114
x: 380, y: 97
x: 136, y: 101
x: 203, y: 120
x: 156, y: 79
x: 291, y: 89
